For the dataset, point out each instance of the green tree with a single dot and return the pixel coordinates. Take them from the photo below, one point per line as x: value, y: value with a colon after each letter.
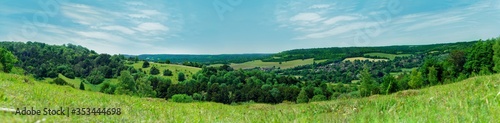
x: 144, y: 88
x: 145, y: 64
x: 416, y: 79
x: 154, y: 71
x: 7, y: 60
x: 181, y: 77
x: 481, y: 54
x: 95, y: 77
x: 167, y: 61
x: 496, y: 55
x: 126, y: 84
x: 366, y: 88
x: 302, y: 97
x: 82, y: 86
x: 389, y: 84
x: 433, y: 76
x: 167, y: 72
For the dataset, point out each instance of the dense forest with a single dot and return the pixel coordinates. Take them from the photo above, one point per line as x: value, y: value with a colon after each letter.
x: 428, y: 65
x: 47, y: 61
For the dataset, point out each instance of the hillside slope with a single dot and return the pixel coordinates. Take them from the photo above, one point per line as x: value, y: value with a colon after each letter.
x: 473, y: 100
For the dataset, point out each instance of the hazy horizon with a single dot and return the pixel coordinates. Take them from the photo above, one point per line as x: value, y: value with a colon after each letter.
x: 245, y: 27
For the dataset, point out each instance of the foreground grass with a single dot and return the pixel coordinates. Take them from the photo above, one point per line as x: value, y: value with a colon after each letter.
x: 283, y: 65
x: 472, y: 100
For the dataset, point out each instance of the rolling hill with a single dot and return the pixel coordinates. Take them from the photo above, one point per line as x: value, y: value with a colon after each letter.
x: 473, y: 100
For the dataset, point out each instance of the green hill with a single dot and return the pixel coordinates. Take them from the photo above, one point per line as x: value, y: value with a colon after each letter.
x: 473, y: 100
x: 176, y: 69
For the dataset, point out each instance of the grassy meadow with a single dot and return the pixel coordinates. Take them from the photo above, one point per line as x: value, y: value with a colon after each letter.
x: 473, y: 100
x: 283, y: 65
x: 386, y: 55
x: 175, y: 68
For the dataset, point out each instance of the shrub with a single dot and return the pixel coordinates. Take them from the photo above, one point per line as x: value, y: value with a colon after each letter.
x: 182, y: 98
x: 60, y: 81
x: 197, y: 96
x: 154, y: 71
x: 167, y: 72
x: 318, y: 98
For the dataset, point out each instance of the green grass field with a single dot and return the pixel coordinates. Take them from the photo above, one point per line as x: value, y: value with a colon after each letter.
x: 473, y: 100
x: 176, y: 69
x: 283, y: 65
x: 386, y: 55
x: 363, y: 59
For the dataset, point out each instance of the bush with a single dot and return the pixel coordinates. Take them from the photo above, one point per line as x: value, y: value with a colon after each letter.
x: 197, y: 96
x: 182, y: 98
x: 60, y: 81
x: 167, y: 72
x: 318, y: 98
x: 154, y: 71
x: 108, y: 88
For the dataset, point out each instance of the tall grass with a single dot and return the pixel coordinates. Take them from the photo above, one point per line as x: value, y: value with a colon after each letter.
x: 473, y: 100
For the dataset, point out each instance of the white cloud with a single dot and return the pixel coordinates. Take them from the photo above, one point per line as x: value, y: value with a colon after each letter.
x: 314, y: 17
x: 144, y: 27
x: 118, y: 28
x: 433, y: 23
x: 86, y: 15
x: 319, y: 6
x: 337, y: 19
x: 338, y: 30
x: 101, y: 35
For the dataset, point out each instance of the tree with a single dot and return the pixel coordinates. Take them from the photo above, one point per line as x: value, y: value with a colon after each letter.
x: 389, y: 84
x: 496, y: 55
x: 167, y: 72
x: 82, y: 86
x: 167, y: 61
x: 7, y: 60
x: 366, y: 88
x: 95, y: 77
x: 433, y: 76
x: 416, y: 79
x: 144, y: 88
x: 181, y: 77
x: 481, y: 54
x: 302, y: 97
x: 154, y: 71
x: 145, y: 64
x: 126, y: 84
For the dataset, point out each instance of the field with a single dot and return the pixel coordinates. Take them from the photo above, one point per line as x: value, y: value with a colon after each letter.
x: 472, y: 100
x: 176, y: 69
x: 385, y: 55
x: 283, y: 65
x: 363, y: 59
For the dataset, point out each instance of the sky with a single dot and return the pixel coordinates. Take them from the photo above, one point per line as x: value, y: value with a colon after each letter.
x: 245, y: 26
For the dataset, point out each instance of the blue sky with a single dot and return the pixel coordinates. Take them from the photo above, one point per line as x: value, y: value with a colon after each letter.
x: 245, y: 26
